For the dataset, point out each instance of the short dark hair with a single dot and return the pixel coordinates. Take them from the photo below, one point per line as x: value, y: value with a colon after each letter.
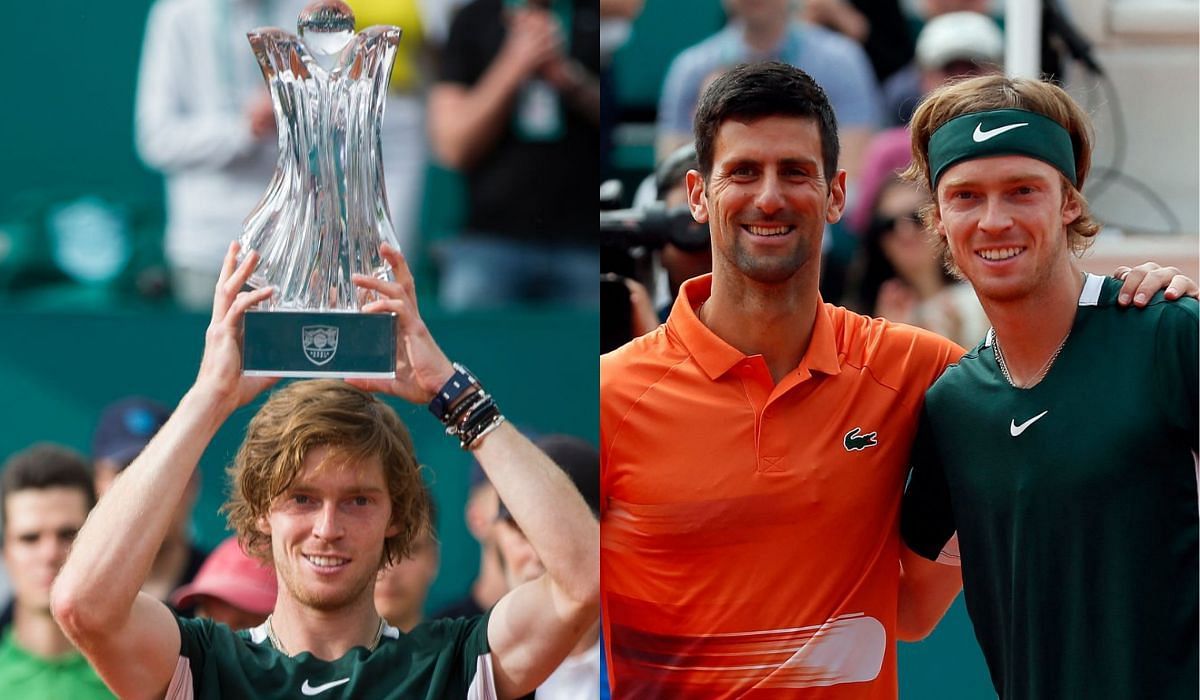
x: 44, y: 466
x: 768, y: 89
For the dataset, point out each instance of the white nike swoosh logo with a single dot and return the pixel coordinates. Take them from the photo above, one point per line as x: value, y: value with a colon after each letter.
x: 318, y: 689
x: 1018, y: 429
x: 980, y: 135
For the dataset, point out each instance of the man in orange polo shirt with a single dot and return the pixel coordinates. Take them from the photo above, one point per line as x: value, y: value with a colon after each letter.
x: 754, y: 448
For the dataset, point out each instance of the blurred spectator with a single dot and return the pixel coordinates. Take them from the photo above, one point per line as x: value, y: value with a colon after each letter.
x: 403, y: 130
x: 231, y: 588
x: 888, y: 154
x: 576, y: 677
x: 5, y: 593
x: 901, y: 277
x: 45, y: 494
x: 933, y: 8
x: 763, y: 30
x: 124, y: 430
x: 489, y: 584
x: 516, y: 108
x: 616, y: 25
x: 953, y: 45
x: 626, y: 311
x: 880, y: 26
x: 680, y: 264
x: 204, y: 118
x: 401, y: 589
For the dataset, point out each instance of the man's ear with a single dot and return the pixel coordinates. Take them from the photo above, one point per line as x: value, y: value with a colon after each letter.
x: 696, y: 201
x: 935, y: 220
x: 836, y: 204
x: 1072, y: 207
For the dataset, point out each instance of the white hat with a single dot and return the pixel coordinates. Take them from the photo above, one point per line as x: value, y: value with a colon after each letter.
x: 959, y: 36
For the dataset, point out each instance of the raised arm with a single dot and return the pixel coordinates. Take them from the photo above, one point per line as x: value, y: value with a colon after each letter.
x: 131, y: 638
x: 533, y: 627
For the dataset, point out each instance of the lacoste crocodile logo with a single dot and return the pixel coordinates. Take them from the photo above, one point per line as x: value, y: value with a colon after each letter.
x: 854, y: 441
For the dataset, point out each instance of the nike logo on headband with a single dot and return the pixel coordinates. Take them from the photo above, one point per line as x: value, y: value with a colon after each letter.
x: 980, y: 135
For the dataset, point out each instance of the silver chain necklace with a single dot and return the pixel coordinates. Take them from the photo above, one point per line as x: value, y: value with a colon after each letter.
x: 279, y: 645
x: 1045, y: 368
x: 1040, y: 373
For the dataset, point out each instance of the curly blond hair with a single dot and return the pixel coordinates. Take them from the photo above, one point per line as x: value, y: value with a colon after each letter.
x: 331, y: 413
x: 989, y: 92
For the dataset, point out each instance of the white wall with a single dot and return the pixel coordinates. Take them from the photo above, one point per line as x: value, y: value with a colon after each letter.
x: 1149, y: 50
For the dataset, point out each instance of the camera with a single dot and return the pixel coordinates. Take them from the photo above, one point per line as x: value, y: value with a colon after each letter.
x: 652, y: 226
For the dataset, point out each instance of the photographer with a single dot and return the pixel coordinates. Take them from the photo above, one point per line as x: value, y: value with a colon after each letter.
x: 681, y: 259
x: 628, y: 235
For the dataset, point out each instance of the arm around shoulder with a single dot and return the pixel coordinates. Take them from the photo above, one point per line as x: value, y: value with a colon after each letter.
x: 927, y: 530
x: 927, y: 589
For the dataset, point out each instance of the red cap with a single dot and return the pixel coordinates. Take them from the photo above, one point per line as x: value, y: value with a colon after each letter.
x: 231, y: 575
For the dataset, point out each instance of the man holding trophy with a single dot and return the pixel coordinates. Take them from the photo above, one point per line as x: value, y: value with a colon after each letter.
x: 325, y: 486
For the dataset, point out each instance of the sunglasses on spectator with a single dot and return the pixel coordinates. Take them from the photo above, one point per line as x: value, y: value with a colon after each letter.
x: 883, y: 224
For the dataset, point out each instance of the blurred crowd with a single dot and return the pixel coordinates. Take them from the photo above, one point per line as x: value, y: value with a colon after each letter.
x: 498, y: 101
x: 875, y: 61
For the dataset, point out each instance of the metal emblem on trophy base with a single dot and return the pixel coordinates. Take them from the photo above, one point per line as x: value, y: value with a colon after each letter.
x: 325, y: 211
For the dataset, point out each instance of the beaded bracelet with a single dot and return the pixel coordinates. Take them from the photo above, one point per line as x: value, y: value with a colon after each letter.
x: 468, y: 412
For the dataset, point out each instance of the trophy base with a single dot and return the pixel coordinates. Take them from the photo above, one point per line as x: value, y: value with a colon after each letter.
x: 319, y: 344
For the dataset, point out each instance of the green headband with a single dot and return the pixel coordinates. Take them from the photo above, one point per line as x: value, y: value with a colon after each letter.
x: 1001, y: 132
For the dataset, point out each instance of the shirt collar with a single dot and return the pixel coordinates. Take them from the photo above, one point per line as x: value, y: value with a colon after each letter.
x: 716, y: 357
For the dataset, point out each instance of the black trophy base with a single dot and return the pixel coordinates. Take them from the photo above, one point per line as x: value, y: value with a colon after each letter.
x: 319, y: 344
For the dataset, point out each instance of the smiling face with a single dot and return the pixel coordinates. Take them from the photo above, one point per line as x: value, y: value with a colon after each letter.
x: 327, y: 530
x: 1004, y: 219
x: 767, y: 200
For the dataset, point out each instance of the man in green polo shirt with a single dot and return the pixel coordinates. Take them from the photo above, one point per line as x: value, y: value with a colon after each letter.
x: 1062, y: 449
x: 45, y: 494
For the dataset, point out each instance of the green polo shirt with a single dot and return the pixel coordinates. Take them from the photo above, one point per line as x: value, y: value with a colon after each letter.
x: 24, y: 675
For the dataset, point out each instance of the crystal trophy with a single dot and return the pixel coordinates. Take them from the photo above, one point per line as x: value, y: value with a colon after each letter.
x: 325, y: 211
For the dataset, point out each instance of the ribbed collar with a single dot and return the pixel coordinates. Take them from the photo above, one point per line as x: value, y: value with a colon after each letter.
x: 716, y: 357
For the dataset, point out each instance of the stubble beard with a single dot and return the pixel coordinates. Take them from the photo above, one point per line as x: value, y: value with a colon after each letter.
x: 1007, y: 291
x: 772, y: 269
x: 336, y: 599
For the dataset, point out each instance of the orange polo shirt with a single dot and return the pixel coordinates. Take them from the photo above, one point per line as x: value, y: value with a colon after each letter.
x: 750, y: 530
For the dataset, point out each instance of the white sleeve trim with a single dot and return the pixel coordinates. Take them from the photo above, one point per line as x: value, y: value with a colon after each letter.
x: 483, y: 685
x: 181, y: 682
x: 1090, y: 296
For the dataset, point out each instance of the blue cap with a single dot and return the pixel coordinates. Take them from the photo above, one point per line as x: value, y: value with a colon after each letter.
x: 126, y: 427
